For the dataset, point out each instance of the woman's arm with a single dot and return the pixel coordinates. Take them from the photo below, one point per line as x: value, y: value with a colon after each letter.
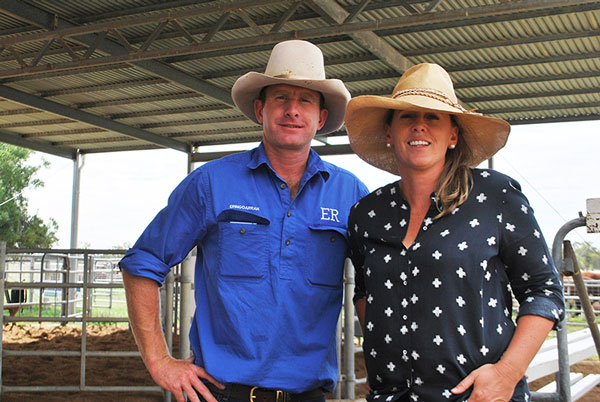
x: 496, y: 382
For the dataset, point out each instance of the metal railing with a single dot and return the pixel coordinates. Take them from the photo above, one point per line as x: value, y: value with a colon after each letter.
x: 42, y: 276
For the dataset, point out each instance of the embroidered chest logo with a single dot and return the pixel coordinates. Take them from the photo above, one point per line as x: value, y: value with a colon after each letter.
x: 330, y: 214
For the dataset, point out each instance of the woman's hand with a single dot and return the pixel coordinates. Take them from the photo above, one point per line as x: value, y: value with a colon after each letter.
x: 490, y: 382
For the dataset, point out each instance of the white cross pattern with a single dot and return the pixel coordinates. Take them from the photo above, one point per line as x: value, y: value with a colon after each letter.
x: 436, y: 254
x: 461, y: 272
x: 474, y: 222
x: 481, y: 198
x: 436, y: 283
x: 438, y: 340
x: 460, y: 301
x: 491, y: 241
x: 371, y: 214
x: 388, y: 284
x: 463, y: 246
x: 388, y: 226
x: 388, y: 311
x: 437, y: 311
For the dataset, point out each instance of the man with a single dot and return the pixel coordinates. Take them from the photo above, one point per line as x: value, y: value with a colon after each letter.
x: 270, y: 229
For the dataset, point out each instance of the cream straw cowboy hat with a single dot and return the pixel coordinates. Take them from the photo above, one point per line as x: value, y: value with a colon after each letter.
x: 422, y: 87
x: 299, y: 63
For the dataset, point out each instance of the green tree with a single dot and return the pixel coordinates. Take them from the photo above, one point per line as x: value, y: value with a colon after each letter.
x: 588, y: 256
x: 17, y: 227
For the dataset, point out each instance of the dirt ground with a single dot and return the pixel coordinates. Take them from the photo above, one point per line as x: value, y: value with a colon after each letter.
x: 44, y: 370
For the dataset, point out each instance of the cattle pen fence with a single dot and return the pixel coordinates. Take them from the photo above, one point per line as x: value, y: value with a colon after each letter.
x: 81, y: 286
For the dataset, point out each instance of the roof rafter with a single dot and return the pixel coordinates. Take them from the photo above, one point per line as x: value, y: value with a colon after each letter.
x: 85, y: 117
x: 41, y: 18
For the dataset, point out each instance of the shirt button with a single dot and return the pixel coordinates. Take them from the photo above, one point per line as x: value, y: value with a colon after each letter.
x: 287, y: 242
x: 242, y: 230
x: 289, y: 213
x: 404, y: 317
x: 332, y: 239
x: 282, y: 185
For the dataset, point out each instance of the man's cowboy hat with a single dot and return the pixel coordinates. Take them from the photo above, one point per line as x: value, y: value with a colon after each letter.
x: 422, y: 87
x: 299, y: 63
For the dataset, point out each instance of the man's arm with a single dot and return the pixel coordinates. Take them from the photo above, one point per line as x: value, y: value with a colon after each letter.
x: 176, y: 376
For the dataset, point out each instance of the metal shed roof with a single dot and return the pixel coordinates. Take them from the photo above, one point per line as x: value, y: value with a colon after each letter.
x: 114, y: 75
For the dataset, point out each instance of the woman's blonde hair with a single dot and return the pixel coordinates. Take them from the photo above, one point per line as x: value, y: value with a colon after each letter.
x: 455, y: 181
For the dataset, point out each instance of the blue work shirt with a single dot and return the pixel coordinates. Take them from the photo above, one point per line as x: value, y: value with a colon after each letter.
x: 269, y: 270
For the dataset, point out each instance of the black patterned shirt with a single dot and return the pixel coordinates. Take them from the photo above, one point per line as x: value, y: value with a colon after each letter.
x: 443, y: 307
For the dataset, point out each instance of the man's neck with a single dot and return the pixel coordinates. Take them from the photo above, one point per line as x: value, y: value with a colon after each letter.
x: 289, y: 164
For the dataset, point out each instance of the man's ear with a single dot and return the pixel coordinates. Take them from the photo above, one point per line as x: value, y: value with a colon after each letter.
x: 323, y: 118
x: 258, y: 109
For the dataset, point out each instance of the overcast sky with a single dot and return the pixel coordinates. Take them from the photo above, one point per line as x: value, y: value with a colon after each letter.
x: 557, y: 165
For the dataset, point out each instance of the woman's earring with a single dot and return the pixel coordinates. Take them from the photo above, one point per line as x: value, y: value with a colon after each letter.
x: 388, y: 145
x: 452, y: 146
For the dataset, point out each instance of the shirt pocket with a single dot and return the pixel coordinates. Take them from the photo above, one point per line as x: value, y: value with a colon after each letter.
x: 328, y: 246
x: 243, y: 245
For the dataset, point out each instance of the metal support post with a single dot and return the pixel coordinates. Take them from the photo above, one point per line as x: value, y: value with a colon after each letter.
x: 78, y: 163
x: 349, y: 374
x: 187, y: 304
x: 2, y: 279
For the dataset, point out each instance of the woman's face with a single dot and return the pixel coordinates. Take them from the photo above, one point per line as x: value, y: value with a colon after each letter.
x: 420, y: 139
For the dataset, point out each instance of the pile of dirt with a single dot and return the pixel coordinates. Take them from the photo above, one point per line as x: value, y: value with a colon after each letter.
x: 123, y: 371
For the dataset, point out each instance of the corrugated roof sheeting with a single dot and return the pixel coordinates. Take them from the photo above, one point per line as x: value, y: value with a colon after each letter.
x: 499, y: 63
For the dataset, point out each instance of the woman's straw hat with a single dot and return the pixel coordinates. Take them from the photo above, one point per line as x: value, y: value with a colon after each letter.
x: 422, y: 87
x: 299, y: 63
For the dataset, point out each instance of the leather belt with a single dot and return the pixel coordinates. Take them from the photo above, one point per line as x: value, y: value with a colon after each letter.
x: 257, y: 394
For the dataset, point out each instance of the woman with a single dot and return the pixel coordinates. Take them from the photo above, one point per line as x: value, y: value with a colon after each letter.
x: 438, y: 253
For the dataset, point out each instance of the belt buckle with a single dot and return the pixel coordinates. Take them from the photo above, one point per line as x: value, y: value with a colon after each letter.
x: 279, y: 395
x: 252, y: 396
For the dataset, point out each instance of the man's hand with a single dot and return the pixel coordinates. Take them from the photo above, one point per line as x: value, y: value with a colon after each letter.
x: 178, y: 376
x: 491, y: 383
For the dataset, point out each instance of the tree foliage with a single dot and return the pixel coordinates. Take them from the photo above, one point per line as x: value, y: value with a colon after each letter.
x: 17, y: 227
x: 587, y: 255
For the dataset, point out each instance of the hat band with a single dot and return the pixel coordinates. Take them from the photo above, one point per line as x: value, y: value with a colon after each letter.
x: 429, y: 93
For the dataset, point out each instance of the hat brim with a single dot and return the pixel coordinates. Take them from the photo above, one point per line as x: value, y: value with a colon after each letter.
x: 366, y: 119
x: 247, y: 88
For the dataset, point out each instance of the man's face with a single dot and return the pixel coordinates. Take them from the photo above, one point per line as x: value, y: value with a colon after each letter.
x: 290, y: 116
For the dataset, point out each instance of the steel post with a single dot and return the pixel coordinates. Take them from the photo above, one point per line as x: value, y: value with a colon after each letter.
x: 187, y: 304
x: 349, y: 374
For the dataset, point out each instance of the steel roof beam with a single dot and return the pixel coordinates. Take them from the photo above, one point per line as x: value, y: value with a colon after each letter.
x: 38, y: 17
x: 368, y: 40
x: 74, y: 114
x: 15, y: 139
x: 475, y: 15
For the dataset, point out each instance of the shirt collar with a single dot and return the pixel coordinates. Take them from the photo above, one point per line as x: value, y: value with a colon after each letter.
x: 315, y: 163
